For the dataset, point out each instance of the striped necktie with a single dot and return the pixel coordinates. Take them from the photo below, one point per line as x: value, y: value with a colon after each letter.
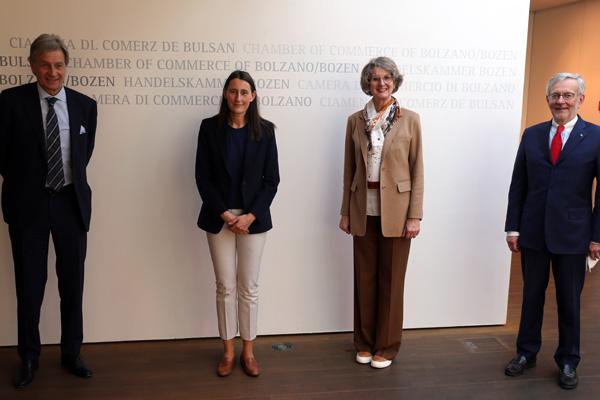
x: 55, y: 179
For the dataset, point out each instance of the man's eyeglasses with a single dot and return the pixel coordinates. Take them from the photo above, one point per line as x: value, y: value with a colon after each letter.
x: 567, y: 96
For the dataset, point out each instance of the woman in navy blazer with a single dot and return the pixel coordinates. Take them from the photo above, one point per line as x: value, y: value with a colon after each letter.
x: 237, y: 174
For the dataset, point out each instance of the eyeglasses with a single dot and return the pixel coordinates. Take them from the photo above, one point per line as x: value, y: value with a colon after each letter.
x: 567, y: 96
x: 378, y: 79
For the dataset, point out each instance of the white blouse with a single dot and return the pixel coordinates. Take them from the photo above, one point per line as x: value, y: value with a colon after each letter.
x: 374, y: 171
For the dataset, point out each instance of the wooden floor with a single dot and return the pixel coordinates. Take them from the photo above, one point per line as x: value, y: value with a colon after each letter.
x: 461, y: 363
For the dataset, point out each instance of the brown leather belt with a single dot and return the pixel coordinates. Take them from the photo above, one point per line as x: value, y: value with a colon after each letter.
x: 373, y: 185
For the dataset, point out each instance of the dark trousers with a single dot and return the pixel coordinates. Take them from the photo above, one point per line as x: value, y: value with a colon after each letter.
x: 379, y: 271
x: 30, y: 255
x: 569, y: 275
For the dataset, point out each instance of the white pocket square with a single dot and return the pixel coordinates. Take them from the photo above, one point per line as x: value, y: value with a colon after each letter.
x: 82, y: 130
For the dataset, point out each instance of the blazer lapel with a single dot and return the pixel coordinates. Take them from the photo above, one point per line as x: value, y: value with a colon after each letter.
x: 389, y: 138
x: 362, y: 137
x: 74, y: 126
x: 577, y: 135
x: 544, y: 140
x: 34, y: 109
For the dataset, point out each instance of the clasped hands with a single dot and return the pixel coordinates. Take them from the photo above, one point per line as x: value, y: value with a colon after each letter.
x: 238, y: 224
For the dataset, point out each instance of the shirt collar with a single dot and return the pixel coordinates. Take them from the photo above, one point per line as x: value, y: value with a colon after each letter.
x: 568, y: 125
x: 62, y: 95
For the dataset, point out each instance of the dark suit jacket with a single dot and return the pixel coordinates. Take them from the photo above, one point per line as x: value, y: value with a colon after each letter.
x: 260, y: 180
x: 23, y: 159
x: 552, y: 205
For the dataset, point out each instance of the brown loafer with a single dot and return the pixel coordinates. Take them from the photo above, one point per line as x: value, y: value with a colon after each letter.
x: 225, y: 367
x: 250, y: 366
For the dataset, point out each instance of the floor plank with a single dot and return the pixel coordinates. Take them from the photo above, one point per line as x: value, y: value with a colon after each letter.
x: 450, y: 363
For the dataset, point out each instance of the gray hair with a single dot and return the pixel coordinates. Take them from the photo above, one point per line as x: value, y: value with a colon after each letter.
x: 47, y: 42
x: 561, y: 76
x: 385, y: 63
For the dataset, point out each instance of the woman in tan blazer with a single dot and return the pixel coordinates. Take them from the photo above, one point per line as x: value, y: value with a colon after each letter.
x: 382, y: 208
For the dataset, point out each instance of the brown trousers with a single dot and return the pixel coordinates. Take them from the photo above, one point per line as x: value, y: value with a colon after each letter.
x: 379, y: 271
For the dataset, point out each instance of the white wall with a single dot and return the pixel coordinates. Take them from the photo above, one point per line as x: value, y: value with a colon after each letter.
x: 149, y: 274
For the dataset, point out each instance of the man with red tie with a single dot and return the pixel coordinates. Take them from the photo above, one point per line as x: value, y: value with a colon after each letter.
x: 551, y: 221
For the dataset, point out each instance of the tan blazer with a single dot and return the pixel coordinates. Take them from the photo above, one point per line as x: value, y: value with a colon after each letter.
x: 401, y: 178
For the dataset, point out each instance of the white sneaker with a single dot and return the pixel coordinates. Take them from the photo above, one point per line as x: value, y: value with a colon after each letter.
x: 364, y: 359
x: 381, y: 364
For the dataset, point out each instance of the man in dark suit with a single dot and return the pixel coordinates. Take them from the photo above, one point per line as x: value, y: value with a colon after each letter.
x: 47, y: 136
x: 551, y: 220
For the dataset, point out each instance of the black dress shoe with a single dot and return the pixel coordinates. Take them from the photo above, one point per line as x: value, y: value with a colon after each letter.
x: 567, y: 378
x: 76, y: 366
x: 517, y: 365
x: 26, y: 373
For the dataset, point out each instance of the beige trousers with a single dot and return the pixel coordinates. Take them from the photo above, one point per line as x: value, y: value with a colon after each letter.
x: 236, y: 261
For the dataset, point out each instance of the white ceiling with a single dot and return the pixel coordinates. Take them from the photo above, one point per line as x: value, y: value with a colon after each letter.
x: 537, y: 5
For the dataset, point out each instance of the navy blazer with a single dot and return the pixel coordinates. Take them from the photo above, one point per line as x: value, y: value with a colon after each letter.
x: 551, y: 205
x: 23, y: 156
x: 259, y: 184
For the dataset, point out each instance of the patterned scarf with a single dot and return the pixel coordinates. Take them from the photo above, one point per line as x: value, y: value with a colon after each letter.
x: 383, y: 119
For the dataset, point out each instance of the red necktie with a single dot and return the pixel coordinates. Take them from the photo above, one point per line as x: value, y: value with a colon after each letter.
x: 556, y: 145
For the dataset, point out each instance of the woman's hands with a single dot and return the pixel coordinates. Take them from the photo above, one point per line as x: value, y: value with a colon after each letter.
x: 238, y: 224
x: 345, y: 224
x: 412, y: 228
